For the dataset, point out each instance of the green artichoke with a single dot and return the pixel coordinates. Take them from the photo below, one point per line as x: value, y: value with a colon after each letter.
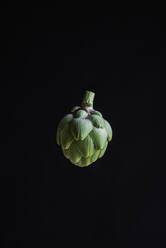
x: 84, y: 133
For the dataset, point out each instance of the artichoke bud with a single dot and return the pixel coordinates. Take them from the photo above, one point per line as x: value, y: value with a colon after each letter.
x: 84, y: 134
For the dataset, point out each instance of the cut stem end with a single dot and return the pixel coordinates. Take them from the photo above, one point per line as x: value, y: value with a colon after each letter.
x: 88, y: 99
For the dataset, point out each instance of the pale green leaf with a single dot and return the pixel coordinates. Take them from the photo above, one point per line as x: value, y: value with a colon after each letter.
x: 80, y: 114
x: 103, y: 150
x: 74, y: 154
x: 80, y: 128
x: 65, y: 120
x: 66, y: 137
x: 85, y: 162
x: 86, y: 146
x: 99, y: 137
x: 66, y: 152
x: 97, y: 113
x: 96, y: 120
x: 95, y: 156
x: 108, y: 129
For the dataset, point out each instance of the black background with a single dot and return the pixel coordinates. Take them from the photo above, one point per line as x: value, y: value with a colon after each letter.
x: 48, y: 61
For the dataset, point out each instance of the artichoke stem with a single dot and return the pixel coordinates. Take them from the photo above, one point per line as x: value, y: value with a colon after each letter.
x: 88, y: 99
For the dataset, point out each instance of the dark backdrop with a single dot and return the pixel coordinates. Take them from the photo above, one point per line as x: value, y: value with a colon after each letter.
x: 48, y: 63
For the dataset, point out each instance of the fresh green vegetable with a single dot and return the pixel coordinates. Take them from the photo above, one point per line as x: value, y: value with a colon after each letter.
x: 84, y: 133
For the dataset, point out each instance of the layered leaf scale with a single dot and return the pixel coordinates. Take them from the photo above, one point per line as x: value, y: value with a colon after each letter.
x: 83, y: 136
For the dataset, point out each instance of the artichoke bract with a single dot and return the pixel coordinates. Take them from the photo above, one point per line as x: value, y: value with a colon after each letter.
x: 84, y: 134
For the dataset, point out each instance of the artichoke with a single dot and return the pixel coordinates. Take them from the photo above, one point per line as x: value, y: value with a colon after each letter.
x: 84, y: 133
